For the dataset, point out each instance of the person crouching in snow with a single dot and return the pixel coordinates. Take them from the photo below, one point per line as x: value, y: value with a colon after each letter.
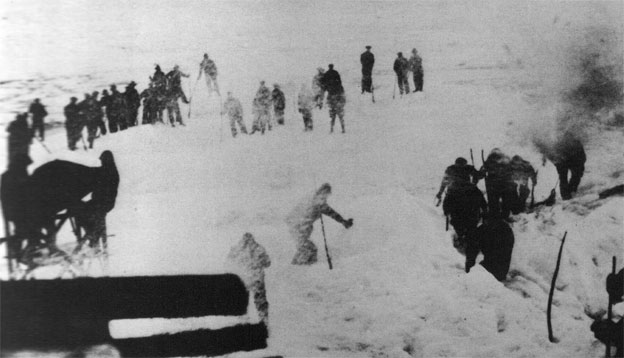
x: 300, y: 224
x: 249, y: 260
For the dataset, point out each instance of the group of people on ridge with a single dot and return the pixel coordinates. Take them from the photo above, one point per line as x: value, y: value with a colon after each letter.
x: 118, y: 110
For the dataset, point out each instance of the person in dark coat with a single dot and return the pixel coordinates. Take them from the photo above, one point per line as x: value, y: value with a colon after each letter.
x: 115, y: 111
x: 612, y: 331
x: 465, y: 205
x: 73, y: 123
x: 495, y: 240
x: 367, y: 59
x: 336, y: 98
x: 279, y: 103
x: 401, y: 67
x: 301, y: 220
x: 568, y: 156
x: 133, y: 102
x: 92, y: 215
x: 501, y: 189
x: 458, y: 173
x: 38, y: 112
x: 159, y: 81
x: 56, y: 186
x: 415, y: 65
x: 332, y: 82
x: 20, y: 136
x: 15, y: 196
x: 93, y: 117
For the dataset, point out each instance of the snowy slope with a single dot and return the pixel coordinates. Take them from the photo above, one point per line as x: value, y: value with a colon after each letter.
x: 398, y: 288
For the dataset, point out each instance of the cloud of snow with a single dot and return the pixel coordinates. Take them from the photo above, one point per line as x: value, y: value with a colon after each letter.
x: 574, y: 65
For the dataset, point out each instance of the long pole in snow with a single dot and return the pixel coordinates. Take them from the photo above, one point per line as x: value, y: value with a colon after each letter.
x: 220, y: 119
x: 191, y: 97
x: 394, y: 90
x: 8, y: 246
x: 43, y: 145
x: 329, y: 262
x: 610, y: 313
x: 551, y: 337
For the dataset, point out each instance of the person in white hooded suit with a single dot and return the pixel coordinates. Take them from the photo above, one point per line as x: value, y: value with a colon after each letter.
x: 301, y: 220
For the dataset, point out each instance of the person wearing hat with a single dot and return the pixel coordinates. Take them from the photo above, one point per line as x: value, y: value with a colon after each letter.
x: 209, y: 68
x: 458, y: 173
x: 72, y: 123
x: 500, y: 187
x: 317, y: 87
x: 99, y: 111
x: 15, y: 197
x: 367, y: 59
x: 133, y: 102
x: 117, y: 114
x: 335, y: 97
x: 401, y: 67
x: 38, y: 112
x: 20, y: 136
x: 279, y: 103
x: 92, y: 215
x: 415, y: 65
x: 93, y: 117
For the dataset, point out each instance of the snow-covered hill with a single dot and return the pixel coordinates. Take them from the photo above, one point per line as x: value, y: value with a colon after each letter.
x: 493, y: 72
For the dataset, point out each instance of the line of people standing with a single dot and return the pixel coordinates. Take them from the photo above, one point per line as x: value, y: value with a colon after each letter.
x: 120, y: 109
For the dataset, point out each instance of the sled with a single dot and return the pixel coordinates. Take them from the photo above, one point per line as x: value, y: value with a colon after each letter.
x: 45, y: 315
x: 23, y: 263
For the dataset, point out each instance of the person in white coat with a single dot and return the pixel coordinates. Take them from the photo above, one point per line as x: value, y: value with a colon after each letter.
x: 249, y: 259
x: 300, y: 223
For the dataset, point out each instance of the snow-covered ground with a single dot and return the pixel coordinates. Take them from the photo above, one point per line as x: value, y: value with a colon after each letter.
x: 493, y: 75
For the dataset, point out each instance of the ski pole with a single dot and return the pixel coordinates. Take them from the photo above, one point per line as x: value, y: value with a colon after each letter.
x: 471, y: 157
x: 43, y: 145
x: 532, y: 196
x: 8, y: 247
x: 372, y: 89
x: 610, y: 313
x: 552, y: 338
x: 394, y: 90
x: 84, y: 144
x: 191, y: 96
x: 220, y: 119
x: 329, y: 262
